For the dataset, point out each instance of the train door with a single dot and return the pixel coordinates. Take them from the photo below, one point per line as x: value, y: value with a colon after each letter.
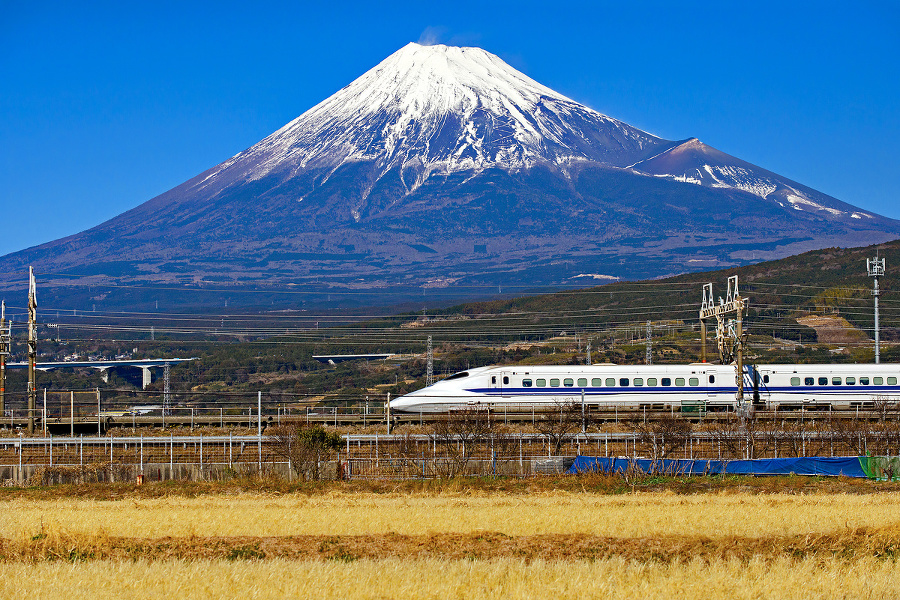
x: 709, y: 381
x: 505, y: 383
x: 755, y: 387
x: 715, y: 381
x: 495, y: 382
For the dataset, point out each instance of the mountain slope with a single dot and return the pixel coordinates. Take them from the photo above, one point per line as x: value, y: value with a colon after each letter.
x: 444, y: 167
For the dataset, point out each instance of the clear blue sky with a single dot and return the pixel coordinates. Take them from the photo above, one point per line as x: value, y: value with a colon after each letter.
x: 104, y: 105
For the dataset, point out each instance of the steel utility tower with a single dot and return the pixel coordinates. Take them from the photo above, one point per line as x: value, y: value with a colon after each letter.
x: 733, y: 302
x: 4, y: 353
x: 32, y: 346
x: 167, y: 390
x: 875, y: 267
x: 429, y: 366
x: 648, y: 357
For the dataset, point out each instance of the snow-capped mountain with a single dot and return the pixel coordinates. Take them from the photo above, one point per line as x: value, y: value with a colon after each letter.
x: 692, y: 161
x: 437, y: 110
x: 441, y: 110
x: 445, y: 168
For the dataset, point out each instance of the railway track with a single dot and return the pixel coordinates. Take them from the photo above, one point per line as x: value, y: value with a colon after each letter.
x: 343, y: 418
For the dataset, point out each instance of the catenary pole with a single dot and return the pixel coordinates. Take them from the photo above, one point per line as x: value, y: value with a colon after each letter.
x: 32, y: 347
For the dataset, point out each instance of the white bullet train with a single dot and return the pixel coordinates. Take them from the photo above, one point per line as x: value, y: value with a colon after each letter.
x: 635, y: 387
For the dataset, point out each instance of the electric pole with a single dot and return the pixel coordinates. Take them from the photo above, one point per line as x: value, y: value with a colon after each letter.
x: 5, y: 339
x: 733, y: 351
x: 875, y: 267
x: 167, y: 409
x: 648, y: 355
x: 32, y: 346
x: 429, y: 365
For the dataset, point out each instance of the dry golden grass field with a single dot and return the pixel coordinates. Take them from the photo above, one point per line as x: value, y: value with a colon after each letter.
x: 566, y: 538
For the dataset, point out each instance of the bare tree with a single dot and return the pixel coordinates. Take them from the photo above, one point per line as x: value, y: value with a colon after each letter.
x: 305, y: 447
x: 763, y: 438
x: 851, y: 434
x: 559, y: 424
x: 502, y: 446
x: 405, y: 459
x: 791, y: 438
x: 891, y: 434
x: 462, y: 435
x: 663, y: 436
x: 729, y: 436
x: 885, y: 407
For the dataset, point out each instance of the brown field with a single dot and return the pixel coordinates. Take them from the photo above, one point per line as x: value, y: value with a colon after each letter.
x: 429, y: 578
x: 471, y: 539
x: 635, y: 515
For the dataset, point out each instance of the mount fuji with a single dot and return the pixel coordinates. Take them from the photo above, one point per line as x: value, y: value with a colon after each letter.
x: 443, y: 170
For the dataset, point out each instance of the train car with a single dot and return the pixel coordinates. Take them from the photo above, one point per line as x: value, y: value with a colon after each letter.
x: 824, y: 386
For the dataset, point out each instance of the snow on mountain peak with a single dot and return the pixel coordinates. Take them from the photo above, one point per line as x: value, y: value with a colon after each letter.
x: 437, y: 110
x: 444, y: 109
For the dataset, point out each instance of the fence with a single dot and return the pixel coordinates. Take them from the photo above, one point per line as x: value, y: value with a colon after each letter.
x: 83, y: 411
x: 81, y: 458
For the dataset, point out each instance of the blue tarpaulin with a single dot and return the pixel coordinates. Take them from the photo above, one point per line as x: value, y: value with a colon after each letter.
x: 847, y: 466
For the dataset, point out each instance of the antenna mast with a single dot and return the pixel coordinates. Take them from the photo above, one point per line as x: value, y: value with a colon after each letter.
x: 32, y: 346
x: 4, y: 353
x: 875, y: 267
x: 167, y: 390
x: 729, y: 340
x: 429, y: 369
x: 648, y: 357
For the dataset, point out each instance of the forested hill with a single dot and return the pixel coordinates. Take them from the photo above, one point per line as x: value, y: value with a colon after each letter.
x: 832, y: 280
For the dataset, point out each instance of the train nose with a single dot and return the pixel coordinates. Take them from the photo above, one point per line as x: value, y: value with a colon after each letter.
x: 403, y: 402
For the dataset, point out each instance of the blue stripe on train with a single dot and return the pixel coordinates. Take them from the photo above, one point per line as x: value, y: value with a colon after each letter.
x: 608, y: 391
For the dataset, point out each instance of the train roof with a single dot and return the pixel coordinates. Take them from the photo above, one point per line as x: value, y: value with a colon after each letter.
x: 806, y: 367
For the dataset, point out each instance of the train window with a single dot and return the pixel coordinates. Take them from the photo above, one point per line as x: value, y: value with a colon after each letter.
x: 679, y: 381
x: 823, y: 381
x: 712, y: 378
x: 851, y: 381
x: 505, y: 380
x: 493, y: 380
x: 638, y: 381
x: 542, y: 383
x: 666, y: 381
x: 554, y: 383
x: 795, y: 381
x: 568, y: 382
x: 610, y: 382
x: 835, y: 381
x: 809, y: 381
x: 651, y: 381
x: 526, y: 383
x: 597, y: 382
x: 623, y: 382
x: 892, y: 381
x: 458, y: 376
x: 765, y: 379
x: 878, y: 381
x: 863, y: 381
x: 582, y: 382
x: 693, y: 381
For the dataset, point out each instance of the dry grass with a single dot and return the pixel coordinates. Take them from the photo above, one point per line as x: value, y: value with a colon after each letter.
x: 589, y: 482
x: 462, y: 542
x: 832, y: 329
x: 624, y: 516
x: 850, y: 545
x: 501, y: 578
